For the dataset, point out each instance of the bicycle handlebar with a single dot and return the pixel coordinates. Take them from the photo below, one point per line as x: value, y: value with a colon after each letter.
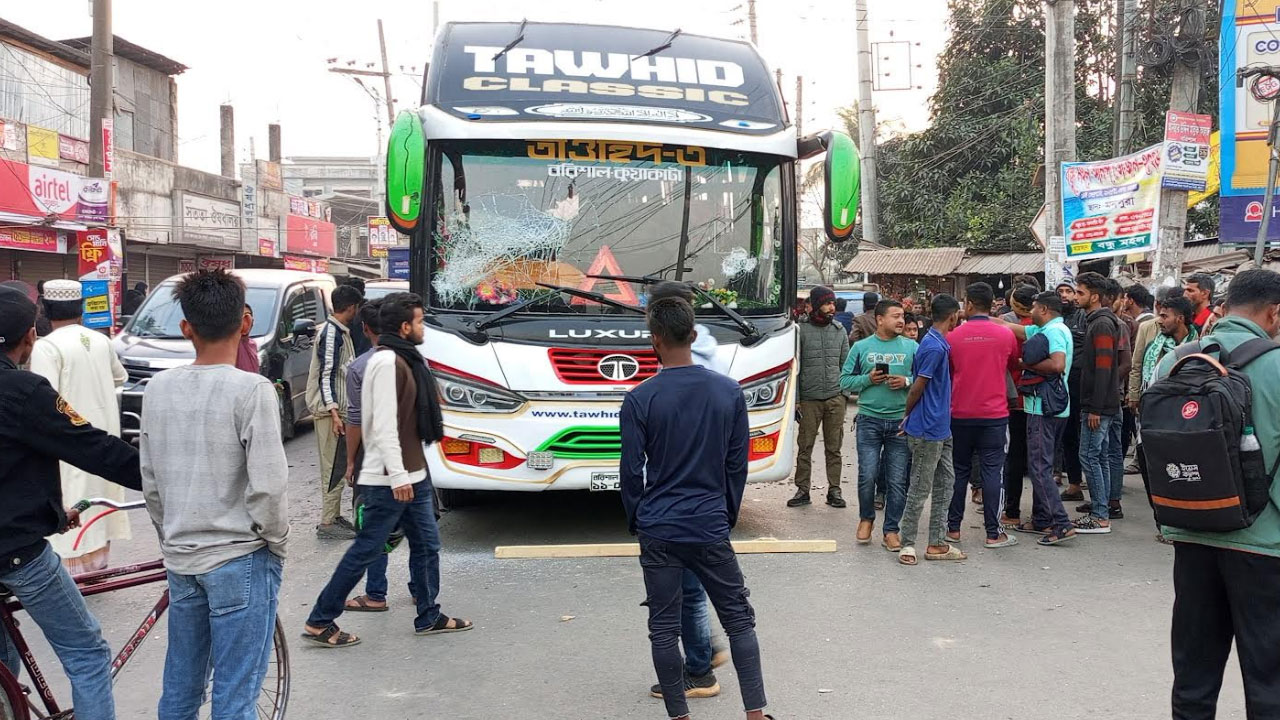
x: 109, y: 503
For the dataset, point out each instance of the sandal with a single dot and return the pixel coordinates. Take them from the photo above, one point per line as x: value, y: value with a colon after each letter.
x: 952, y: 553
x: 907, y: 556
x: 362, y: 604
x: 1030, y: 528
x: 331, y: 631
x: 1055, y: 537
x: 446, y: 624
x: 1009, y: 541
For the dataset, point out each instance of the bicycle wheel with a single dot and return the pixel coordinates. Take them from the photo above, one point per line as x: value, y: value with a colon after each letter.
x: 13, y: 705
x: 273, y: 697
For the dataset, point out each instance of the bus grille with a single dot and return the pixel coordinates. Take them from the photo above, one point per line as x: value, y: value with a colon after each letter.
x: 582, y: 367
x: 582, y: 442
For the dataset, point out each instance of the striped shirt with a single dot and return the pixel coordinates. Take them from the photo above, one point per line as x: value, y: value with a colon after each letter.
x: 327, y: 380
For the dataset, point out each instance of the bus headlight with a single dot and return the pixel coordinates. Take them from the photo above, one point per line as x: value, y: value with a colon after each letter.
x: 460, y: 391
x: 767, y: 389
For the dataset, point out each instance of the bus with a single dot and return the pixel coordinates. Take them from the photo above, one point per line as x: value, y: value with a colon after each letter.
x: 552, y: 174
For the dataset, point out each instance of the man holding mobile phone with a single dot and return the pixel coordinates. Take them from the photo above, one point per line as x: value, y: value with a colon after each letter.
x: 879, y: 370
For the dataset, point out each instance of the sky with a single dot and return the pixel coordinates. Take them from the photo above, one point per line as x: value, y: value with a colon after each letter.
x: 270, y: 58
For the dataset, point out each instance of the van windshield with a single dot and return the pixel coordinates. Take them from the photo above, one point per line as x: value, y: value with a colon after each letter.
x: 159, y: 315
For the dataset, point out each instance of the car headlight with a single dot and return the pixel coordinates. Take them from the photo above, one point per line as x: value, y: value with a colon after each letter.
x: 460, y: 391
x: 767, y: 389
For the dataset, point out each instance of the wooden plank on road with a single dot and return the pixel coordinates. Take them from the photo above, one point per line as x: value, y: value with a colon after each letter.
x: 742, y: 547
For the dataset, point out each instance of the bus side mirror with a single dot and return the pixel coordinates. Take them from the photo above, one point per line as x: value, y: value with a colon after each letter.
x: 842, y: 175
x: 406, y: 159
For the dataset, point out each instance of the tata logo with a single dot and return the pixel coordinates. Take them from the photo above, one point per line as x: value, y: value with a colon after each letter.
x: 618, y: 368
x: 598, y: 334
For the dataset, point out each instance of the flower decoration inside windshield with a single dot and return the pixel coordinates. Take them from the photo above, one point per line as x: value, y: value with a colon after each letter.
x: 495, y: 292
x: 727, y: 297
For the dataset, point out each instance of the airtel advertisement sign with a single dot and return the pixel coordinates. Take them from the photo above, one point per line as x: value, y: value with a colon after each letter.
x: 38, y: 192
x: 310, y: 236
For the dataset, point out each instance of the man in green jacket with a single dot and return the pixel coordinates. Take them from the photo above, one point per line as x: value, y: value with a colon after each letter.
x: 823, y: 347
x: 879, y: 370
x: 1227, y: 585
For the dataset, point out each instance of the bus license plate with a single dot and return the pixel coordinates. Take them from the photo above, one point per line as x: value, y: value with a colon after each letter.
x: 601, y: 481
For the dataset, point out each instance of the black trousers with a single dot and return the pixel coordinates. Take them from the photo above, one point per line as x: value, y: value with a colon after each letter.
x: 1221, y: 595
x: 1015, y: 464
x: 1127, y: 431
x: 1070, y: 457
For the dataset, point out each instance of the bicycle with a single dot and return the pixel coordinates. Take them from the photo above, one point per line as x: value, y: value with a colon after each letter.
x: 15, y: 702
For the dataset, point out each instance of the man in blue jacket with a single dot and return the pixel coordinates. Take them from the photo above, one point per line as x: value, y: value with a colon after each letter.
x: 683, y: 472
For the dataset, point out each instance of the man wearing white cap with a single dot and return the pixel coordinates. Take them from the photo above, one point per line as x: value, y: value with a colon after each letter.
x: 83, y: 368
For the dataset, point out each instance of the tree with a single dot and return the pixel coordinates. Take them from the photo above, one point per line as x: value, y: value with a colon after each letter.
x: 969, y: 179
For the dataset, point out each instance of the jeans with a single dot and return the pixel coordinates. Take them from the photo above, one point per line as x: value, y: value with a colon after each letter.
x: 695, y: 625
x: 382, y: 512
x: 1043, y: 436
x: 829, y: 415
x: 375, y: 584
x: 50, y: 597
x: 1116, y: 452
x: 716, y: 566
x: 220, y: 623
x: 881, y: 449
x: 1095, y: 460
x: 932, y: 472
x: 990, y: 440
x: 1222, y: 595
x: 1015, y: 464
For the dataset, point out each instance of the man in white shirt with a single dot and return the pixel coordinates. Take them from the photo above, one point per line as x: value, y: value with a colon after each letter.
x: 81, y: 366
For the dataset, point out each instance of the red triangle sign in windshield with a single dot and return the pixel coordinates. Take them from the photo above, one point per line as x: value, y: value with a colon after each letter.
x: 606, y: 264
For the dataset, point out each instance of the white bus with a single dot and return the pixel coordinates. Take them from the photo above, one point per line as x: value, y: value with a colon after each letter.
x: 553, y: 173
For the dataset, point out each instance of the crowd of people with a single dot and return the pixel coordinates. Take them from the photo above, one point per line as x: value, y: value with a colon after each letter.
x: 957, y: 405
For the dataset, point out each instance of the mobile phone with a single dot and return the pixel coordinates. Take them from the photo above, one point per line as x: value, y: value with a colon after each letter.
x: 882, y: 367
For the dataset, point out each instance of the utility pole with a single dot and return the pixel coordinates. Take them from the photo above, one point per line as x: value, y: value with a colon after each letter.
x: 1184, y: 95
x: 751, y: 22
x: 1060, y: 106
x: 386, y: 76
x: 867, y: 129
x: 101, y: 83
x: 1127, y: 59
x: 799, y: 105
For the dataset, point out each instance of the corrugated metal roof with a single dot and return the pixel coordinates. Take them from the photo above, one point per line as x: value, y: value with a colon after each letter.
x: 1002, y: 264
x: 1200, y: 251
x: 931, y: 262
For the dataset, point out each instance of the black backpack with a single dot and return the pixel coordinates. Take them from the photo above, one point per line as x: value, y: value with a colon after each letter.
x: 1193, y: 423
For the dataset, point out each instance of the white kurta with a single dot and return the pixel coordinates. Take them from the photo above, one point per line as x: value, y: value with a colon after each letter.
x: 84, y: 369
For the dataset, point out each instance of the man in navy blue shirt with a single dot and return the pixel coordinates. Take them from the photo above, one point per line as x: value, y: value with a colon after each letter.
x: 928, y: 429
x: 683, y: 472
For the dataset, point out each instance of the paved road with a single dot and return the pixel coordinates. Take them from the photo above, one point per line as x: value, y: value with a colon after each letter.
x: 1073, y: 631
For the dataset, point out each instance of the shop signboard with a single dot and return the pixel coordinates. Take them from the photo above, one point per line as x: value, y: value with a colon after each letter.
x: 97, y: 303
x: 100, y: 259
x: 42, y: 146
x: 32, y: 239
x: 398, y: 263
x: 73, y: 149
x: 38, y: 192
x: 306, y: 264
x: 1186, y: 151
x: 108, y: 147
x: 1112, y: 207
x: 209, y: 222
x: 269, y: 176
x: 381, y: 236
x: 1247, y: 36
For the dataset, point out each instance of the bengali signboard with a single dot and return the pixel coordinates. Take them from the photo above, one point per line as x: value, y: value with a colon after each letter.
x: 209, y: 221
x: 73, y: 149
x: 398, y: 263
x: 1186, y: 151
x: 216, y: 262
x: 100, y: 259
x: 310, y: 236
x: 108, y: 147
x: 1112, y: 207
x: 32, y: 239
x: 306, y: 264
x: 381, y: 236
x: 269, y: 176
x: 42, y: 146
x: 97, y: 303
x: 1247, y: 36
x: 39, y: 192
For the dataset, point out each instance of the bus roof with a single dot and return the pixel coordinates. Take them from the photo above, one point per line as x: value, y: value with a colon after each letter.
x: 600, y: 73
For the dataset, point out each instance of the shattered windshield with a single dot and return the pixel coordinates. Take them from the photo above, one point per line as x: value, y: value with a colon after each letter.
x: 512, y: 214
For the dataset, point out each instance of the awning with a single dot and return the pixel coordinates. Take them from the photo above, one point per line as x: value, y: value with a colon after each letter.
x: 1002, y: 264
x: 930, y: 262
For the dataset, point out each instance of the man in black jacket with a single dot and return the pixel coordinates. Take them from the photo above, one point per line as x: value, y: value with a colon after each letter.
x: 1100, y: 373
x: 1075, y: 318
x: 37, y: 429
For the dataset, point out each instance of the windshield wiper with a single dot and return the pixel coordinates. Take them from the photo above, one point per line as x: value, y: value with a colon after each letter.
x: 497, y: 315
x: 666, y: 45
x: 519, y: 39
x: 745, y: 326
x: 595, y: 296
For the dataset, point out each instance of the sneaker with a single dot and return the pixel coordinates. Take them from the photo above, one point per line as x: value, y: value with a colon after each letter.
x: 334, y: 531
x: 1070, y: 494
x: 344, y: 523
x: 1084, y: 508
x: 834, y: 498
x: 800, y: 498
x: 1091, y: 525
x: 1115, y: 512
x: 694, y: 687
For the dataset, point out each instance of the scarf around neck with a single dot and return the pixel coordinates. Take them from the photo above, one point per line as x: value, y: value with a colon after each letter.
x: 1159, y: 347
x: 430, y: 420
